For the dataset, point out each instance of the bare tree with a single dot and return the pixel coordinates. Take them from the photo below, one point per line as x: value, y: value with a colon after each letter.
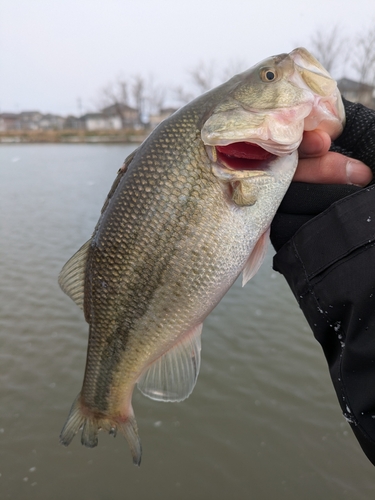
x: 139, y: 96
x: 364, y: 58
x: 233, y: 67
x: 157, y: 99
x: 204, y: 76
x: 364, y: 65
x: 137, y: 92
x: 182, y: 96
x: 115, y: 94
x: 155, y: 96
x: 329, y: 47
x: 148, y: 97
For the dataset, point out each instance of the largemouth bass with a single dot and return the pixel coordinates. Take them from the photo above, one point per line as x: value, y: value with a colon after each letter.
x: 188, y: 212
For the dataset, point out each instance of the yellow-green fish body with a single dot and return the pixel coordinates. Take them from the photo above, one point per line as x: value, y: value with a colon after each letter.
x: 185, y: 216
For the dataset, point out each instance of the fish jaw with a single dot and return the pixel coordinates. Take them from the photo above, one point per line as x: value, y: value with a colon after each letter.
x: 278, y: 131
x: 240, y: 167
x: 328, y: 111
x: 274, y: 114
x: 252, y: 185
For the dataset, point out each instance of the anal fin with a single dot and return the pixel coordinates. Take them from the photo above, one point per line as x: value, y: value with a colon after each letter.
x: 173, y: 376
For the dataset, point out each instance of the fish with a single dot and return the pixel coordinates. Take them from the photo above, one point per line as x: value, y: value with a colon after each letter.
x: 188, y: 212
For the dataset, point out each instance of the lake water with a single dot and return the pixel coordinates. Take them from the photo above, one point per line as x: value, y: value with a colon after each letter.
x: 262, y: 423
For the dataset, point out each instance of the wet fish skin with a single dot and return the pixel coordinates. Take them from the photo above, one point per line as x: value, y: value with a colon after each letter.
x: 176, y: 230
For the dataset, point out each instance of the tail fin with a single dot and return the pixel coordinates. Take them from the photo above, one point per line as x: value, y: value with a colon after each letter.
x: 91, y: 425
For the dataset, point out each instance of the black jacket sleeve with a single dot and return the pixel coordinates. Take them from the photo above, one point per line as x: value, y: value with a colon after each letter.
x: 330, y: 267
x: 329, y: 263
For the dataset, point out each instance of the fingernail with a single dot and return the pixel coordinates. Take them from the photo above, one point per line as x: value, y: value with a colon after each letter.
x: 358, y: 173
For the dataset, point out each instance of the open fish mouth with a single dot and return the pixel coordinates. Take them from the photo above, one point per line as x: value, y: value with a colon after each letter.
x: 243, y: 156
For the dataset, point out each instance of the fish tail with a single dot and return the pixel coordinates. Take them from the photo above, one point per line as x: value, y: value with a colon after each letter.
x: 73, y: 424
x: 129, y: 430
x: 91, y: 425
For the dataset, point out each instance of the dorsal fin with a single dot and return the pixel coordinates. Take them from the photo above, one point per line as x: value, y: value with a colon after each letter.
x: 120, y: 173
x: 173, y: 376
x: 72, y: 275
x: 256, y: 257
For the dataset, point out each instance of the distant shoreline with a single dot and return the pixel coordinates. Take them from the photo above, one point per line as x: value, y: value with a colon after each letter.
x: 67, y: 136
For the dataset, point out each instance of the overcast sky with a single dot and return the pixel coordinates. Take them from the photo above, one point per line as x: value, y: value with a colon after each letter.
x: 55, y: 52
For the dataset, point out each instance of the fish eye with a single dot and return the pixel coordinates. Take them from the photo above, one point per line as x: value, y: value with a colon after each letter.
x: 268, y: 75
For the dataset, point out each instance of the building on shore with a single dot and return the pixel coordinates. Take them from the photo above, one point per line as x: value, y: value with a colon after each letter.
x: 125, y: 115
x: 115, y: 117
x: 98, y: 121
x: 357, y: 92
x: 9, y: 121
x: 31, y: 120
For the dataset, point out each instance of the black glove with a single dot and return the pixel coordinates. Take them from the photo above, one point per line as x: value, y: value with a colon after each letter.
x: 304, y: 201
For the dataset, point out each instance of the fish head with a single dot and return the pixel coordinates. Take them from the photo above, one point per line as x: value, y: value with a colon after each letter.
x: 265, y: 110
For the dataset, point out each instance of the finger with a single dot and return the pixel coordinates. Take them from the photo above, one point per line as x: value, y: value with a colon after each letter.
x: 314, y: 143
x: 333, y: 168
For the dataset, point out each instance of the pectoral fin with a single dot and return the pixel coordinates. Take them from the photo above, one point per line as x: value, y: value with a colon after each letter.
x: 256, y: 257
x: 173, y: 376
x: 244, y: 193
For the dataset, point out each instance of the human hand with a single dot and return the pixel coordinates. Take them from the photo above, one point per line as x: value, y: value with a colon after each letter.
x: 326, y: 174
x: 320, y: 166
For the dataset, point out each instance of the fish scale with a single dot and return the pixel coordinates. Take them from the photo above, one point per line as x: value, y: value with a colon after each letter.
x: 179, y: 225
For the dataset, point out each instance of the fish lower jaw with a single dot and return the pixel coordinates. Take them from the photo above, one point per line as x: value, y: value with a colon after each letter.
x: 224, y: 165
x: 250, y: 158
x: 251, y: 167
